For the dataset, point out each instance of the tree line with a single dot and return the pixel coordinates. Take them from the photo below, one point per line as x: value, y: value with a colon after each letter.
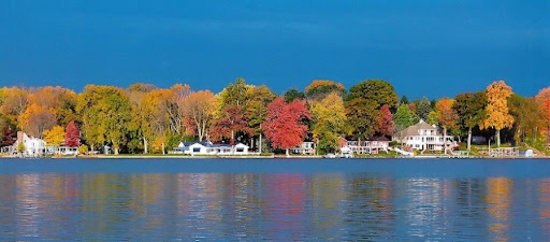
x: 143, y: 118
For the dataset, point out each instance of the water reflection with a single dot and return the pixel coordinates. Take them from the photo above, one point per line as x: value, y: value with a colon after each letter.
x: 281, y: 207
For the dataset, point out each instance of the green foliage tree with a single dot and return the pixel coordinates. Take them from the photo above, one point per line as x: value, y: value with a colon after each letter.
x: 470, y: 109
x: 403, y: 118
x: 256, y: 109
x: 363, y: 103
x: 404, y: 100
x: 528, y: 117
x: 293, y: 94
x: 423, y: 108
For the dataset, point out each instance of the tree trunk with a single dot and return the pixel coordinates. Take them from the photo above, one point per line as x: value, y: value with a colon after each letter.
x: 498, y: 137
x: 287, y: 153
x: 469, y: 139
x: 163, y: 148
x: 145, y: 146
x: 260, y: 143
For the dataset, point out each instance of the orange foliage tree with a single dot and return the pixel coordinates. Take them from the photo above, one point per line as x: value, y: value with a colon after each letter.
x: 543, y: 101
x: 37, y: 119
x: 284, y: 125
x: 61, y: 101
x: 498, y: 115
x: 447, y: 117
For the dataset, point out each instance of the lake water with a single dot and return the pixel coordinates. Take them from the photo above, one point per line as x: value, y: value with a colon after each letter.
x: 275, y: 199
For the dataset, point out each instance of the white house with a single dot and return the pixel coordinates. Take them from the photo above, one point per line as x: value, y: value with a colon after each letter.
x: 370, y: 146
x: 31, y: 146
x: 208, y: 148
x: 306, y: 148
x: 423, y: 136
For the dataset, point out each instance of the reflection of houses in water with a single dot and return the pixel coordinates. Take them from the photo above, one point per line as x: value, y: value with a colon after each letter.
x: 425, y: 207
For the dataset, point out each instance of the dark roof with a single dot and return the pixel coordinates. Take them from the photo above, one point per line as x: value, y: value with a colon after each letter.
x: 378, y: 138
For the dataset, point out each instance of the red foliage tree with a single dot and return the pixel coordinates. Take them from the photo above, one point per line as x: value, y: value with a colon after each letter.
x: 72, y: 135
x: 284, y: 125
x: 233, y: 121
x: 8, y: 137
x: 387, y: 126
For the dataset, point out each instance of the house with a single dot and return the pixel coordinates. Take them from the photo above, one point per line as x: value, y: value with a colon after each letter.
x: 209, y: 148
x: 31, y: 146
x: 372, y: 145
x: 306, y: 148
x: 423, y: 136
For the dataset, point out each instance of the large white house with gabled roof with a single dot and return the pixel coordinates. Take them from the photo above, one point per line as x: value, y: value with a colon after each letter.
x: 423, y: 136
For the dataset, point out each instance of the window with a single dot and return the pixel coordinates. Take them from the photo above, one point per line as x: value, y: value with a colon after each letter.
x: 240, y: 150
x: 197, y: 150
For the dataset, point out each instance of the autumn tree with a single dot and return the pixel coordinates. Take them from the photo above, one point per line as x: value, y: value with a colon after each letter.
x: 61, y: 101
x: 543, y: 101
x: 105, y: 114
x: 386, y: 123
x: 498, y: 116
x: 232, y: 125
x: 158, y: 117
x: 447, y: 117
x: 13, y: 103
x: 330, y: 122
x: 199, y: 107
x: 175, y: 109
x: 319, y: 89
x: 256, y: 109
x: 54, y: 136
x: 470, y: 110
x: 72, y: 135
x: 138, y: 140
x: 36, y: 119
x: 363, y: 103
x: 231, y: 121
x: 8, y: 137
x: 284, y: 125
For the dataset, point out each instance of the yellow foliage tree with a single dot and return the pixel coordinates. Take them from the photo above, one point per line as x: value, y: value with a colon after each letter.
x: 200, y: 107
x: 498, y: 115
x: 330, y: 123
x: 54, y: 136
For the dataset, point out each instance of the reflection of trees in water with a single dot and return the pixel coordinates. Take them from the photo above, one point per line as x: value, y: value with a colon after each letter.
x: 369, y: 209
x: 544, y: 198
x: 498, y: 206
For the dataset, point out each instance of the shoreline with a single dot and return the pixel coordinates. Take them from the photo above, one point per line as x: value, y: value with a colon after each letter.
x: 269, y: 157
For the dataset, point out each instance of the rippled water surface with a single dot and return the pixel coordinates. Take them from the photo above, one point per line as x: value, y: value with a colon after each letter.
x: 274, y: 199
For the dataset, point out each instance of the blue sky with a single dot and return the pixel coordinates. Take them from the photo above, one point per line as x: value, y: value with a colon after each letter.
x: 423, y: 48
